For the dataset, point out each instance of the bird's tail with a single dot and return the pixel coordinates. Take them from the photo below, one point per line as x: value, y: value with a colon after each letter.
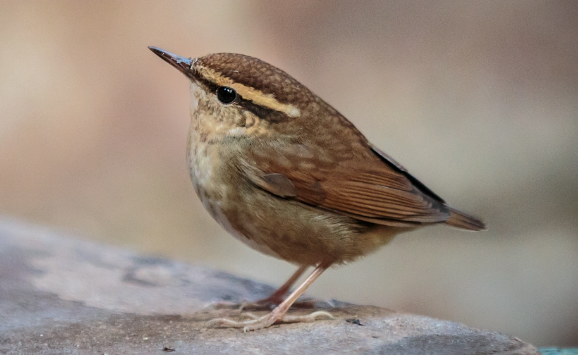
x: 464, y: 221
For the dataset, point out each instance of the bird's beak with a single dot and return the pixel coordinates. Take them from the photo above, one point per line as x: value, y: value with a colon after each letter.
x: 181, y: 63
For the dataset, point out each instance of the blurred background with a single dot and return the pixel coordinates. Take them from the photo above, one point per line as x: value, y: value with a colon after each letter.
x: 478, y: 99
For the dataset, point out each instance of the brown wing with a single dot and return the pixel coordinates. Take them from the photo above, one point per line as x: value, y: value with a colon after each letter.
x: 363, y: 186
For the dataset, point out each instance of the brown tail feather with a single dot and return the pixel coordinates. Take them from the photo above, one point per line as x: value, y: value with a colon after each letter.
x: 464, y: 221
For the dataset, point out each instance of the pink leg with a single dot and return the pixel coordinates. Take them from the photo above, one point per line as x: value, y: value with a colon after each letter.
x: 276, y: 297
x: 266, y: 303
x: 278, y: 314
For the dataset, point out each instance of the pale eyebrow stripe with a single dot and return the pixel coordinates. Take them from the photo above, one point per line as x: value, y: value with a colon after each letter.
x: 249, y: 93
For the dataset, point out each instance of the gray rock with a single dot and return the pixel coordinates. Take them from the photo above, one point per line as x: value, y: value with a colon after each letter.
x: 60, y: 295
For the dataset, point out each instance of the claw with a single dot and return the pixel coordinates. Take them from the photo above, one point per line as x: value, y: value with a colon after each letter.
x: 255, y: 322
x: 308, y: 318
x: 223, y: 322
x: 250, y: 315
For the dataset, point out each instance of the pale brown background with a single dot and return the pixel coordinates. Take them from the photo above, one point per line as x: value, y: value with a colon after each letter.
x: 479, y: 99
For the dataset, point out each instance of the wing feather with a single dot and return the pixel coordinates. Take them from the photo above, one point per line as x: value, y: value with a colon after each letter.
x: 366, y: 188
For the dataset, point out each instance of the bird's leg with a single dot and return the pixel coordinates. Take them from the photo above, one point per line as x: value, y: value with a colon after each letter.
x: 278, y: 314
x: 266, y: 303
x: 276, y: 298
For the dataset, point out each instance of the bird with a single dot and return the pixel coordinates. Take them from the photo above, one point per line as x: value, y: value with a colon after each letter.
x: 287, y: 174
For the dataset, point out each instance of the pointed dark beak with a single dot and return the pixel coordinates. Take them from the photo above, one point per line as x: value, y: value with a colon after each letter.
x: 181, y: 63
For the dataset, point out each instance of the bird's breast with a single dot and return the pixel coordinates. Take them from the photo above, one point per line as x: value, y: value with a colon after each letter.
x: 204, y: 163
x: 217, y: 188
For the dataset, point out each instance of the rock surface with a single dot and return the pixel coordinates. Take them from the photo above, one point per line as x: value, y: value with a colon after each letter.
x: 59, y: 295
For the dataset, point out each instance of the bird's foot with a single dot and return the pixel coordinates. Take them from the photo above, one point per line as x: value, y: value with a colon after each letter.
x: 270, y: 303
x: 265, y: 304
x: 267, y: 320
x: 260, y: 305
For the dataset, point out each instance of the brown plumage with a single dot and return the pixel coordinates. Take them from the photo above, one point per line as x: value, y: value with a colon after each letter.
x: 287, y: 174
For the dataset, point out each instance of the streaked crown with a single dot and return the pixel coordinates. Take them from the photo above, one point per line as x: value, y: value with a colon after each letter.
x: 254, y: 81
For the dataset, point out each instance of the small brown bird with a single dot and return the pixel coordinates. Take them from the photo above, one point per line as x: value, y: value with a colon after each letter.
x: 283, y: 171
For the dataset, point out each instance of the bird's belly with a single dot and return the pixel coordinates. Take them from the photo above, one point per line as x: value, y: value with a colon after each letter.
x: 222, y: 217
x: 276, y: 226
x: 216, y: 195
x: 293, y: 232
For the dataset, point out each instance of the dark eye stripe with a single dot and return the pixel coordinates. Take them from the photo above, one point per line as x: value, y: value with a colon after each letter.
x: 263, y: 113
x: 209, y: 85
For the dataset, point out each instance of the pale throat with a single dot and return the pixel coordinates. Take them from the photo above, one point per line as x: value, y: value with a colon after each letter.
x: 212, y: 121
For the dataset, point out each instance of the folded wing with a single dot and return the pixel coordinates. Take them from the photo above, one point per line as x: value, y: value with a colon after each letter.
x: 368, y: 187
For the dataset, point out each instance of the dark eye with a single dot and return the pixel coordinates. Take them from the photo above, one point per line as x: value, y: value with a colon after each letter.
x: 226, y: 94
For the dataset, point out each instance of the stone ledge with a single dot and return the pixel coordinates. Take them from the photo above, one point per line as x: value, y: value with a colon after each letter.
x: 59, y: 295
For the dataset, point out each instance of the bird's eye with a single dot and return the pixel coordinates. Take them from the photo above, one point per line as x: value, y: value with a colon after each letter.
x: 226, y: 94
